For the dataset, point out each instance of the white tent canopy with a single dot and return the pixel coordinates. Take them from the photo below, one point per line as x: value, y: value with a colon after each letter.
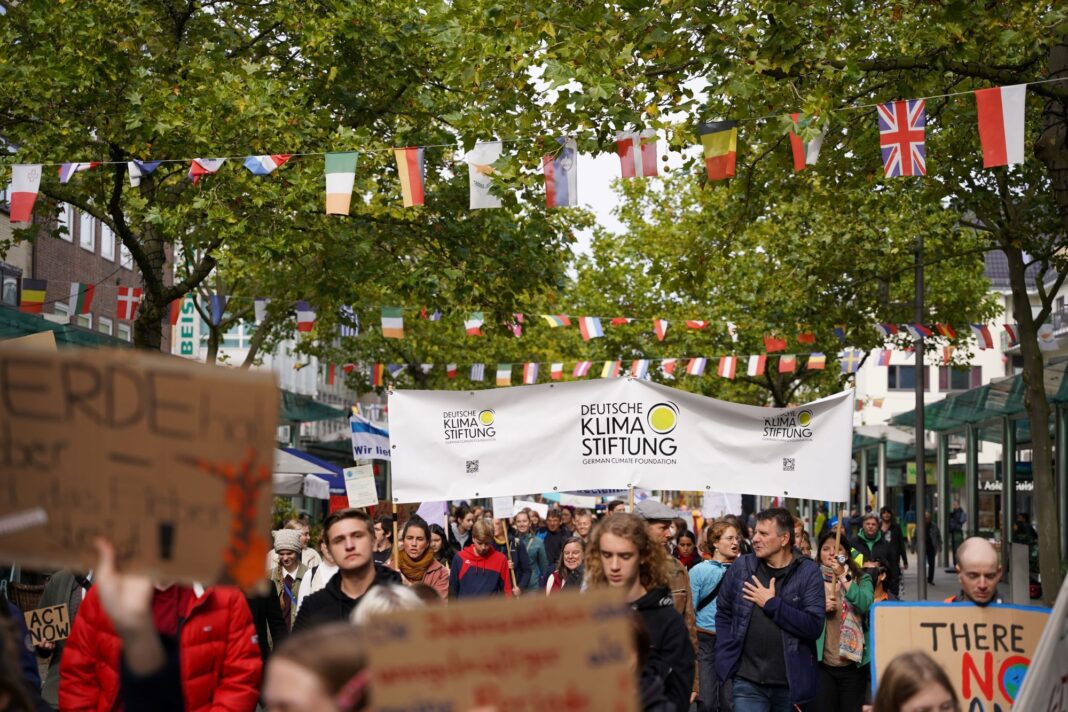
x: 295, y: 476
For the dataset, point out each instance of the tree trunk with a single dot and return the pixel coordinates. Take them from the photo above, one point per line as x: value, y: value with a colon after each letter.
x: 214, y: 333
x: 148, y: 328
x: 1052, y: 146
x: 1038, y: 411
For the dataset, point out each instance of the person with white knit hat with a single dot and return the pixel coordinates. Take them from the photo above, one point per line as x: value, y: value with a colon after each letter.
x: 290, y: 571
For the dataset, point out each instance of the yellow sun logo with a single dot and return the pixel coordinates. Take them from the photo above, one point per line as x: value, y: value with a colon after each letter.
x: 663, y: 417
x: 804, y: 418
x: 486, y: 417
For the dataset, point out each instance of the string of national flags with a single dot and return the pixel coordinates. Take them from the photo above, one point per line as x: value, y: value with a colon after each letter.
x: 902, y: 142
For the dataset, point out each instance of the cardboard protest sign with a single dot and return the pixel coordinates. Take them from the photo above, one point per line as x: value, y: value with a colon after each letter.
x: 360, y: 486
x: 44, y: 340
x: 502, y: 507
x: 985, y: 650
x: 613, y: 433
x: 48, y: 625
x: 540, y: 507
x: 168, y: 459
x: 526, y: 655
x: 1045, y: 689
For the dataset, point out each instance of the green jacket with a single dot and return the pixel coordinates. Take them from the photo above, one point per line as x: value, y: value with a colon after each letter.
x: 860, y: 595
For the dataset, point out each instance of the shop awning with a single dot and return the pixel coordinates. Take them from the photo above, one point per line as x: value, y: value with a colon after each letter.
x: 297, y: 408
x: 14, y: 324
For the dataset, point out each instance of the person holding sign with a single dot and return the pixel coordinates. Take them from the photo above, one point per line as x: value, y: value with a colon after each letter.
x: 979, y: 572
x: 416, y: 562
x: 350, y: 539
x: 479, y: 569
x: 769, y: 614
x: 624, y: 556
x: 506, y: 543
x: 842, y: 649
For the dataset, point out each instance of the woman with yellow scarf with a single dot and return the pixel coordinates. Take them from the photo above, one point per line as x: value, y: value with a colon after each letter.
x: 415, y: 559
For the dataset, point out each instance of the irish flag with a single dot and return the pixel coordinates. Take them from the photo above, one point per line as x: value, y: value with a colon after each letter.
x: 1001, y: 124
x: 81, y: 297
x: 340, y: 177
x: 720, y: 142
x: 393, y: 322
x: 504, y: 374
x: 25, y: 180
x: 410, y: 168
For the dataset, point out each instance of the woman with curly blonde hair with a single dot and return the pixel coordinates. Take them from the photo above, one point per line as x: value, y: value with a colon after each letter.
x: 622, y: 556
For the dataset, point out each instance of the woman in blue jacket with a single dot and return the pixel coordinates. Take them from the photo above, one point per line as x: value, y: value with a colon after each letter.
x: 722, y: 541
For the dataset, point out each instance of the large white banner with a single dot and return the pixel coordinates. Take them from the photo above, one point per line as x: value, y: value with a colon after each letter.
x: 613, y: 434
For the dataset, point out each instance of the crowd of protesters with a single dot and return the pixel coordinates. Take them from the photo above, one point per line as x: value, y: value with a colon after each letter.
x: 738, y: 614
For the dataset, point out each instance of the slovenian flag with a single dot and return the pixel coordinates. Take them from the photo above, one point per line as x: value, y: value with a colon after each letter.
x: 199, y: 167
x: 478, y: 372
x: 757, y: 365
x: 696, y: 366
x: 410, y: 169
x: 886, y: 330
x: 392, y: 322
x: 590, y: 327
x: 67, y: 170
x: 139, y: 169
x: 660, y: 327
x: 806, y: 153
x: 25, y: 181
x: 265, y: 165
x: 473, y: 324
x: 637, y: 153
x: 530, y: 373
x: 982, y: 336
x: 1001, y: 124
x: 305, y: 316
x: 340, y: 177
x: 561, y: 175
x: 81, y: 298
x: 884, y: 357
x: 667, y: 367
x: 727, y: 367
x: 504, y: 374
x: 639, y: 368
x: 918, y: 331
x: 816, y: 362
x: 719, y: 140
x: 555, y: 321
x: 33, y: 295
x: 610, y: 369
x: 787, y: 363
x: 581, y: 369
x: 556, y: 371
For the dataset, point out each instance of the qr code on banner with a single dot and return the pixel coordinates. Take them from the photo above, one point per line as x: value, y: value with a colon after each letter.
x: 472, y: 467
x: 788, y: 464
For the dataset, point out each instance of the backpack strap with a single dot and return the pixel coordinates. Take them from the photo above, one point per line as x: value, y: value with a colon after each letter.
x: 703, y: 603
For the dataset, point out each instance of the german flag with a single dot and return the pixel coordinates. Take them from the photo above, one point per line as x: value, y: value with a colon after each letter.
x: 410, y: 169
x: 33, y: 295
x: 720, y: 142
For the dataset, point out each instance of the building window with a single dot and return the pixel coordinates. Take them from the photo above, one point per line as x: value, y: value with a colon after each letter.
x: 103, y: 325
x: 65, y: 222
x: 237, y: 337
x: 84, y: 320
x: 125, y: 332
x: 9, y: 284
x: 107, y: 243
x: 956, y: 379
x: 903, y: 378
x: 125, y: 258
x: 87, y: 232
x: 61, y: 308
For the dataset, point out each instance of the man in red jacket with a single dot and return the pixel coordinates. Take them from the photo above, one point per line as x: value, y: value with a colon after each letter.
x: 199, y: 640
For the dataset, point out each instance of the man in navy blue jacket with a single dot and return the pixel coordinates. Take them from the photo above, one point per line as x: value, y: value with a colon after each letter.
x: 769, y: 614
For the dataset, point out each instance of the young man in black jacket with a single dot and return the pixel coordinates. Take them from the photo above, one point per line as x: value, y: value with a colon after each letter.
x: 622, y: 555
x: 350, y: 536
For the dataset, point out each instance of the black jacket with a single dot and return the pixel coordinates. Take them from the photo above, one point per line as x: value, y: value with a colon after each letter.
x: 520, y: 561
x: 879, y: 549
x: 653, y: 698
x: 554, y: 544
x: 267, y: 617
x: 331, y: 605
x: 671, y: 657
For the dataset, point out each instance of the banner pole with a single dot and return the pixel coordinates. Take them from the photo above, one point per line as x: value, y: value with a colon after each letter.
x: 508, y: 547
x: 630, y: 498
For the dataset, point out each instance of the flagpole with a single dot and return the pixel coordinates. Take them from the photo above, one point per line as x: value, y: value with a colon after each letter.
x: 630, y: 498
x: 920, y: 437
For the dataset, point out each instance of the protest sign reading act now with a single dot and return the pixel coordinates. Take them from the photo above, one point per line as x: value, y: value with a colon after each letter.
x: 48, y: 625
x: 169, y: 460
x: 985, y: 650
x: 613, y: 434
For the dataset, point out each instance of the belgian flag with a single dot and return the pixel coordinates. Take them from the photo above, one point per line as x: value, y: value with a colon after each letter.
x: 33, y: 295
x: 720, y: 142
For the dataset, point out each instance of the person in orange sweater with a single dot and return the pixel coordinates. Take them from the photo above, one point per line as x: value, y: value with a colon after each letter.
x: 416, y: 562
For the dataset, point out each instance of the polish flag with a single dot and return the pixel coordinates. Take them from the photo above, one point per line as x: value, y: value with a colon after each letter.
x: 450, y: 370
x: 25, y: 180
x: 556, y: 371
x: 1001, y: 124
x: 727, y: 366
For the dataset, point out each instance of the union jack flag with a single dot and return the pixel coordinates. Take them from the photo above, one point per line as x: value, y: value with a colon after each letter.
x: 901, y: 136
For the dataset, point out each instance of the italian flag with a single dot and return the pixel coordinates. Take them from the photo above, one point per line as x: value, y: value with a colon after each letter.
x: 81, y: 297
x: 340, y: 177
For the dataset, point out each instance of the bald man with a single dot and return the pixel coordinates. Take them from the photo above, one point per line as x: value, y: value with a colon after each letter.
x: 979, y: 571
